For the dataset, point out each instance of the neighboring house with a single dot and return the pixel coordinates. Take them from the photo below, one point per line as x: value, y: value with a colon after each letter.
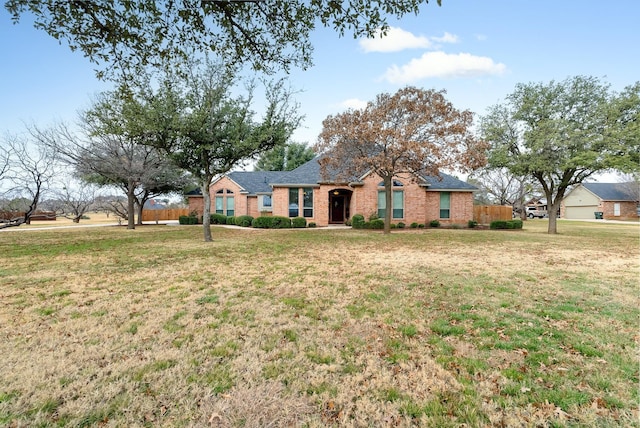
x: 304, y: 193
x: 613, y: 200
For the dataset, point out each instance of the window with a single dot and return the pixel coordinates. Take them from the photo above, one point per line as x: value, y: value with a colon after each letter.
x: 293, y: 202
x: 445, y: 205
x: 265, y: 203
x: 307, y: 205
x: 222, y: 196
x: 231, y: 208
x: 397, y: 201
x: 398, y: 204
x: 382, y: 204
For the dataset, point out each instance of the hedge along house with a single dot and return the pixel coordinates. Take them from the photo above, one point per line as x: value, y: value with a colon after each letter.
x: 304, y: 193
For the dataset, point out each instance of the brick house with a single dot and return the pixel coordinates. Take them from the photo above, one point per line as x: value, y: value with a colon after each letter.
x: 617, y: 201
x: 304, y: 193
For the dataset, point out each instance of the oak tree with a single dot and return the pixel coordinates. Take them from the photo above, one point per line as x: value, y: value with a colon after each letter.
x: 284, y: 157
x: 207, y: 130
x: 414, y: 131
x: 123, y: 37
x: 562, y: 133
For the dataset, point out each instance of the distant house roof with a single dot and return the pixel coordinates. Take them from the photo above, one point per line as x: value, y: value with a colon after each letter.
x: 613, y: 191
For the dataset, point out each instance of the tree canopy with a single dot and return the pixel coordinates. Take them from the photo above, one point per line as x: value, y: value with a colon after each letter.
x: 284, y: 157
x: 124, y: 36
x: 207, y: 130
x: 561, y: 133
x: 413, y: 131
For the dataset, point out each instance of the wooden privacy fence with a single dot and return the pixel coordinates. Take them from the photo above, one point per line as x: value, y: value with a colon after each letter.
x: 161, y: 215
x: 485, y: 214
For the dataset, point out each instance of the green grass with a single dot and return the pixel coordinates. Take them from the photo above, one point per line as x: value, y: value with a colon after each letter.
x: 433, y: 327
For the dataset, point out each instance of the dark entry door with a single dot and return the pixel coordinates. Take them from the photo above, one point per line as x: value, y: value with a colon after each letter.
x: 337, y: 209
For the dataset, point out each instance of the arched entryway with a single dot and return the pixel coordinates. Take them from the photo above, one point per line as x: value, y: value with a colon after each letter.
x: 339, y: 202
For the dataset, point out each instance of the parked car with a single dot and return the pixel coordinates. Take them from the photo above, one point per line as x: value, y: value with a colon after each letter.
x: 533, y: 211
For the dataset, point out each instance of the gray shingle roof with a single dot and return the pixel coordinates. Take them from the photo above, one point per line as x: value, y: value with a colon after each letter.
x: 255, y: 182
x: 613, y: 191
x: 447, y: 182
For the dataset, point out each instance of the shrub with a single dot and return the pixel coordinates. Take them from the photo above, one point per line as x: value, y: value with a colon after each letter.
x: 373, y: 216
x: 312, y: 224
x: 401, y: 225
x: 498, y: 224
x: 420, y: 226
x: 244, y: 220
x: 413, y: 225
x: 280, y: 222
x: 471, y: 224
x: 377, y: 223
x: 434, y: 223
x: 357, y: 221
x: 187, y: 219
x: 347, y: 222
x: 514, y: 224
x: 506, y: 224
x: 299, y: 222
x: 218, y: 219
x: 262, y: 222
x: 231, y: 220
x: 393, y: 226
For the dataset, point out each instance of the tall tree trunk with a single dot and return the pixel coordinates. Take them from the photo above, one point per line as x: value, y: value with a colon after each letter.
x: 140, y: 207
x: 388, y: 181
x: 131, y: 206
x: 552, y: 209
x: 206, y: 213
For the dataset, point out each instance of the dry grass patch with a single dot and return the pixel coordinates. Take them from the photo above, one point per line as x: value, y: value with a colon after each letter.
x: 153, y: 327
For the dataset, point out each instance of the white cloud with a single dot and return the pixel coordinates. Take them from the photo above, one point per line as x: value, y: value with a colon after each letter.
x: 396, y: 40
x: 446, y: 38
x: 441, y: 64
x: 481, y: 37
x: 352, y: 103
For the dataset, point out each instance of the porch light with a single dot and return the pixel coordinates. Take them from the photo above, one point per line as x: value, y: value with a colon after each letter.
x: 336, y: 192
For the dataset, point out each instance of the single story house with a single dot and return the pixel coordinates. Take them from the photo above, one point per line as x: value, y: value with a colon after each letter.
x: 617, y: 201
x: 303, y: 192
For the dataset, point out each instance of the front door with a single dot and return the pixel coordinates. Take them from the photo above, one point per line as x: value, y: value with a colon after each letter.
x: 337, y: 209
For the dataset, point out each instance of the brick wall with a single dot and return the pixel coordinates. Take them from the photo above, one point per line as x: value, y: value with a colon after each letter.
x: 627, y: 210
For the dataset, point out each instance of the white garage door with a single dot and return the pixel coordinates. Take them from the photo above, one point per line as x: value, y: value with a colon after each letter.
x: 584, y: 212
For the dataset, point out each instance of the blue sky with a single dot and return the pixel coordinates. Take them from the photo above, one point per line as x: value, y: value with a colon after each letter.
x: 475, y: 50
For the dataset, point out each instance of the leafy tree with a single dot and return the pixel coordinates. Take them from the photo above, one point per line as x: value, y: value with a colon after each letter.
x: 561, y: 133
x: 413, y: 131
x: 285, y: 157
x: 124, y: 36
x: 207, y: 132
x: 625, y: 113
x: 28, y: 170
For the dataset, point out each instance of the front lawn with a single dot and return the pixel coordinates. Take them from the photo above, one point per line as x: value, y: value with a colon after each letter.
x: 425, y: 327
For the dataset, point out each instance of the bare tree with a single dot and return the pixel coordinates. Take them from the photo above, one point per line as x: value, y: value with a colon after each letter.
x: 74, y: 200
x: 505, y: 188
x: 28, y: 170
